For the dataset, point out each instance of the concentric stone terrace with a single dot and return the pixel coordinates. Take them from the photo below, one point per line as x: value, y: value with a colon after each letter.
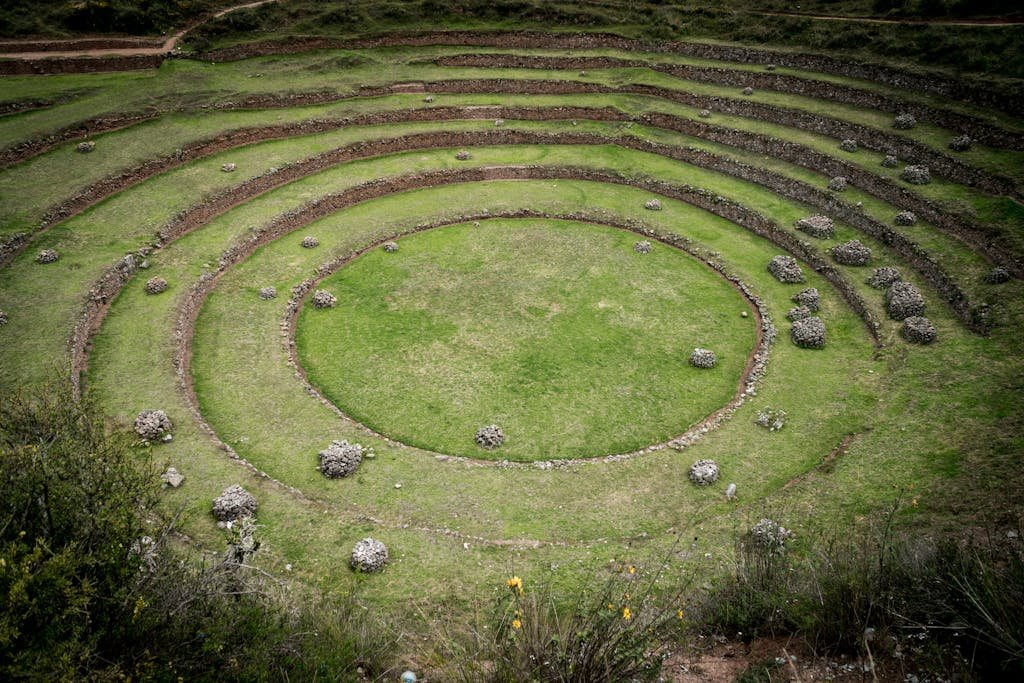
x: 465, y: 232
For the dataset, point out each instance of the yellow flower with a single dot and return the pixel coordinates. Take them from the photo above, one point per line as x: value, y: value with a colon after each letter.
x: 914, y: 502
x: 626, y: 614
x: 611, y: 606
x: 679, y: 613
x: 516, y: 624
x: 631, y: 569
x: 515, y: 584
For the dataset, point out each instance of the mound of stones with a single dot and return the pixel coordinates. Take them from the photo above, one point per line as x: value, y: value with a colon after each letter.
x: 890, y: 161
x: 152, y: 425
x: 704, y: 114
x: 390, y: 247
x: 3, y: 318
x: 772, y: 419
x: 904, y: 121
x: 428, y: 99
x: 852, y: 253
x: 47, y: 256
x: 323, y: 299
x: 86, y: 147
x: 848, y: 145
x: 917, y: 175
x: 652, y: 205
x: 837, y: 184
x: 369, y: 555
x: 906, y: 218
x: 155, y: 285
x: 310, y: 242
x: 903, y: 300
x: 490, y: 437
x: 808, y: 297
x: 704, y: 472
x: 961, y: 143
x: 884, y: 277
x: 997, y: 276
x: 463, y: 155
x: 770, y: 536
x: 340, y: 459
x: 798, y: 313
x: 642, y: 247
x: 267, y: 293
x: 808, y: 333
x: 228, y: 168
x: 785, y: 269
x: 818, y: 226
x: 748, y: 91
x: 918, y: 330
x: 703, y: 358
x: 234, y: 503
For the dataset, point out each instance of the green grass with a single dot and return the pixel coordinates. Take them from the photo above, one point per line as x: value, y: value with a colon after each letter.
x: 560, y: 333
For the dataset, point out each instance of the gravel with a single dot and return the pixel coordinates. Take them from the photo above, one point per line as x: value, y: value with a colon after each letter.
x: 808, y: 297
x: 916, y: 175
x: 369, y: 555
x: 884, y: 277
x: 152, y: 425
x: 234, y: 503
x: 903, y: 300
x: 808, y: 333
x: 704, y: 472
x: 155, y: 285
x: 703, y: 358
x: 340, y: 459
x: 852, y: 253
x: 323, y: 299
x: 785, y: 269
x: 818, y: 226
x: 918, y: 330
x: 490, y: 437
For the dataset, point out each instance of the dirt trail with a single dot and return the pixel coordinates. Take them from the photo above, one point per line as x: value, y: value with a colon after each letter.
x: 149, y: 49
x: 980, y: 23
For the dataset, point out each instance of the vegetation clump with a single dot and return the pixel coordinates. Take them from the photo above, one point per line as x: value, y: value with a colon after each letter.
x: 808, y: 333
x: 369, y: 555
x: 340, y: 459
x: 918, y: 330
x: 821, y: 227
x: 703, y: 358
x: 704, y: 472
x: 152, y: 424
x: 234, y: 503
x: 852, y: 253
x: 884, y: 277
x: 490, y: 437
x: 785, y: 269
x: 903, y: 300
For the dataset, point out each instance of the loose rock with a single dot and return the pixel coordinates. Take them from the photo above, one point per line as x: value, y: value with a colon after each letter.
x: 323, y: 299
x: 808, y: 333
x: 369, y: 555
x: 818, y: 226
x: 463, y: 155
x: 703, y: 358
x: 798, y: 313
x: 428, y: 99
x: 918, y: 330
x: 228, y: 168
x: 785, y: 269
x: 172, y: 477
x: 772, y: 419
x: 890, y: 161
x: 340, y: 459
x: 748, y: 91
x: 490, y: 437
x: 837, y: 184
x: 916, y: 175
x: 704, y: 113
x: 704, y: 472
x: 47, y: 256
x: 903, y: 300
x: 884, y: 277
x: 155, y: 285
x: 234, y: 503
x: 152, y: 424
x: 852, y: 253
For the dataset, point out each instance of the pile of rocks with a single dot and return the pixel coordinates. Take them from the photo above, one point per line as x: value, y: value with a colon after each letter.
x: 852, y: 253
x: 771, y: 536
x: 228, y: 168
x: 490, y: 437
x: 3, y: 318
x: 884, y: 277
x: 369, y: 555
x: 310, y: 242
x: 704, y: 472
x: 703, y: 358
x: 997, y: 276
x: 748, y: 91
x: 323, y: 299
x: 890, y: 161
x: 47, y: 256
x: 961, y: 143
x: 771, y: 419
x: 798, y: 313
x: 785, y: 269
x: 704, y: 114
x: 463, y: 155
x: 428, y: 99
x: 808, y: 297
x: 652, y: 205
x: 917, y: 175
x: 642, y: 247
x: 86, y: 147
x: 155, y: 285
x: 905, y: 218
x: 153, y: 425
x: 918, y: 330
x: 818, y: 226
x: 904, y: 121
x: 808, y: 333
x: 234, y: 503
x: 837, y: 184
x: 903, y: 300
x: 848, y: 145
x: 267, y: 293
x: 390, y: 247
x: 340, y: 459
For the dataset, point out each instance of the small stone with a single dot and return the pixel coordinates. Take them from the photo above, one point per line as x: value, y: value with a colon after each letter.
x: 704, y: 472
x: 228, y: 168
x: 848, y: 145
x: 152, y: 424
x: 890, y: 161
x: 837, y: 184
x: 234, y: 503
x: 998, y: 276
x: 267, y: 293
x: 744, y: 314
x: 916, y: 175
x: 961, y: 143
x: 310, y: 242
x: 730, y: 492
x: 748, y: 91
x: 904, y: 121
x: 369, y: 555
x: 808, y: 333
x: 490, y: 437
x: 583, y: 73
x: 390, y: 247
x: 808, y: 297
x: 86, y: 147
x: 642, y: 247
x: 47, y: 256
x: 323, y: 299
x: 903, y: 300
x: 155, y: 285
x: 821, y: 227
x: 905, y: 218
x: 884, y: 277
x: 785, y: 269
x: 918, y: 330
x: 852, y: 253
x: 172, y: 478
x: 703, y: 358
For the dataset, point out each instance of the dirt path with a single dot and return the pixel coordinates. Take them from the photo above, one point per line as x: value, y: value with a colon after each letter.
x: 979, y: 23
x: 149, y: 48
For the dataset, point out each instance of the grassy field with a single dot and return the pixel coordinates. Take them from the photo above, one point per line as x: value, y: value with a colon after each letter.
x: 555, y: 329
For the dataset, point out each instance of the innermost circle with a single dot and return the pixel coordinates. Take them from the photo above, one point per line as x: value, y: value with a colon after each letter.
x: 557, y: 331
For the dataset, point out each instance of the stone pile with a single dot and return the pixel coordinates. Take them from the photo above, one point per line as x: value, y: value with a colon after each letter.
x: 228, y: 168
x: 961, y: 143
x: 490, y: 437
x: 267, y: 293
x: 390, y: 247
x: 916, y: 175
x: 890, y: 161
x: 748, y: 91
x: 852, y: 253
x: 884, y: 277
x: 323, y: 299
x: 86, y: 147
x: 703, y: 358
x: 837, y: 184
x: 340, y: 459
x: 652, y: 205
x: 771, y: 419
x: 905, y: 218
x: 642, y: 247
x: 234, y: 503
x: 798, y: 313
x: 808, y: 333
x: 310, y: 242
x: 704, y: 472
x: 785, y: 269
x: 463, y: 155
x: 155, y: 285
x: 903, y: 300
x: 808, y: 297
x: 369, y: 555
x: 904, y: 121
x: 848, y: 145
x: 997, y: 276
x: 47, y: 256
x: 918, y: 330
x: 152, y: 425
x: 818, y: 226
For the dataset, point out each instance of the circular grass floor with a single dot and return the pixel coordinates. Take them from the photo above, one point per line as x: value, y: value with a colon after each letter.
x: 557, y: 331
